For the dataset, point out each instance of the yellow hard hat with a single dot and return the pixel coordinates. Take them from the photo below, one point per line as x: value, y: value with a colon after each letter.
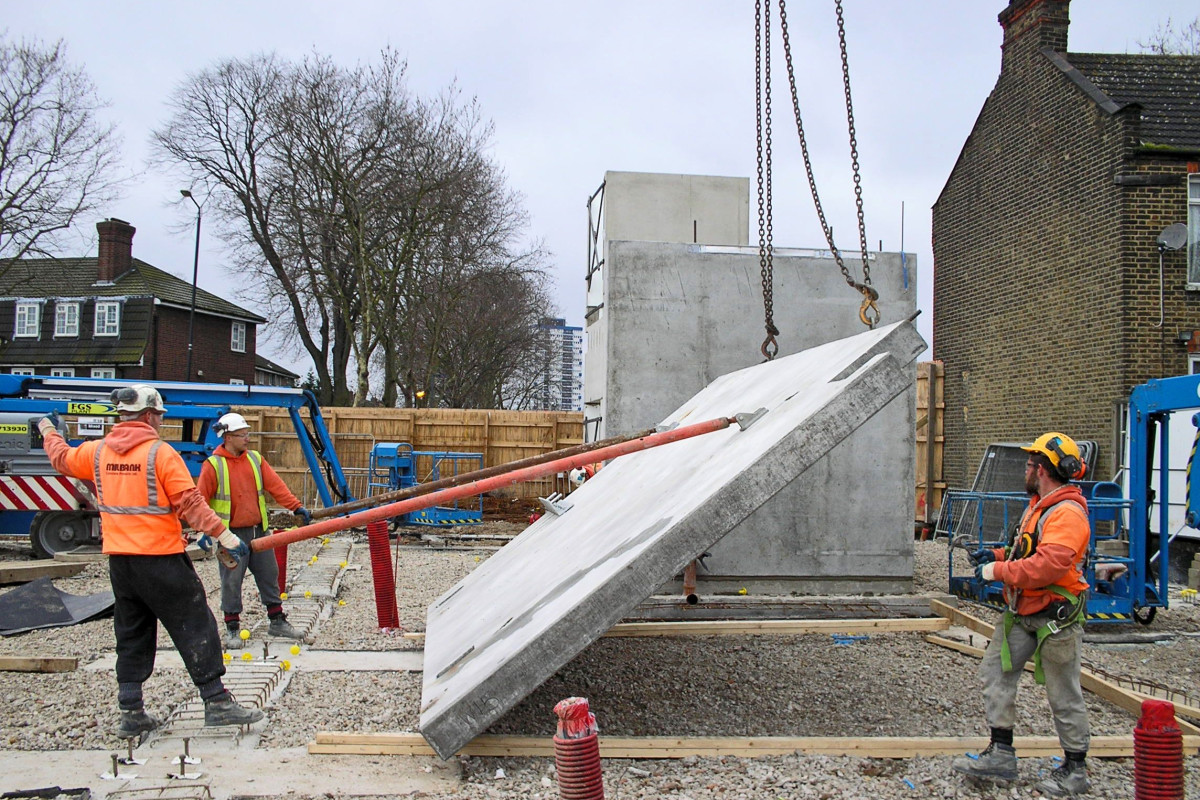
x: 1063, y: 453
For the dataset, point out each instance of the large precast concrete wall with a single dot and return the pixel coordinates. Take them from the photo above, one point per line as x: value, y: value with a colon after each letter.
x: 670, y: 317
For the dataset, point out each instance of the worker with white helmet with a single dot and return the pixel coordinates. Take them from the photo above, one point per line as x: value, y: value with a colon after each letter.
x: 236, y: 481
x: 142, y: 489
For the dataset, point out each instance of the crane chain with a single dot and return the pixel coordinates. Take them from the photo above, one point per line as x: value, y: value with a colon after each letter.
x: 762, y: 93
x: 870, y: 295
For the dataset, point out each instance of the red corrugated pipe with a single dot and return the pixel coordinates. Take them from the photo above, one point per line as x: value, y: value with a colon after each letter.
x: 473, y: 488
x: 577, y: 751
x: 381, y: 570
x: 281, y: 560
x: 1157, y: 753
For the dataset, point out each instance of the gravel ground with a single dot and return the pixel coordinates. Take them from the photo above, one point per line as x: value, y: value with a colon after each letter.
x: 887, y: 684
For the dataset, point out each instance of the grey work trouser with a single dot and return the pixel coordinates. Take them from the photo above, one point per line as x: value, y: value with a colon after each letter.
x: 262, y: 566
x: 1061, y: 663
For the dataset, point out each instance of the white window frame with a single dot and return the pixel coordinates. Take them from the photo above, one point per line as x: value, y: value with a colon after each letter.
x: 23, y: 326
x: 236, y: 382
x: 62, y: 372
x: 66, y: 320
x: 237, y: 343
x: 1193, y: 223
x: 104, y: 310
x: 21, y: 371
x: 104, y: 372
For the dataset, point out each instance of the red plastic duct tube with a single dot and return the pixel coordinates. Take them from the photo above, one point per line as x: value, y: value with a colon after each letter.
x: 281, y: 560
x: 385, y: 512
x: 384, y: 579
x: 577, y: 751
x: 1157, y: 753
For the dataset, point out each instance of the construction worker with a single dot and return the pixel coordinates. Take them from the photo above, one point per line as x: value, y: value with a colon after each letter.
x: 142, y: 489
x: 1042, y: 573
x: 236, y: 481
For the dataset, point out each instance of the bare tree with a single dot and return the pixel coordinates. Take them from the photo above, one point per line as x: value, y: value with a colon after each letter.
x: 1168, y: 40
x: 57, y: 160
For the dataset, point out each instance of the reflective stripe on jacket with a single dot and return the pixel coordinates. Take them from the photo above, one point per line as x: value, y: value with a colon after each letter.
x: 222, y: 501
x: 135, y: 512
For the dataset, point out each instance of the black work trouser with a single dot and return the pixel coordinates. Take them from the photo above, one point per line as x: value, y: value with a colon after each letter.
x: 166, y: 589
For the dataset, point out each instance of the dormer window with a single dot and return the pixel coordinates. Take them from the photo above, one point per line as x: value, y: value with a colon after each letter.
x: 66, y: 319
x: 108, y: 318
x: 29, y: 318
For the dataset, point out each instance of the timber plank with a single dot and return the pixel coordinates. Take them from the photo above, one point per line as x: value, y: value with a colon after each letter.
x: 25, y: 571
x: 329, y: 743
x: 37, y: 664
x: 959, y: 617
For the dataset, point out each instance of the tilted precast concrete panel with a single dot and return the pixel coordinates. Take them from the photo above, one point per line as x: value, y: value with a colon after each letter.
x: 544, y: 597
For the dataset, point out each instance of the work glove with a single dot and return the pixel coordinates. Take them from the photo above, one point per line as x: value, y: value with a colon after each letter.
x: 236, y: 547
x: 986, y: 571
x: 984, y: 555
x: 48, y: 423
x: 205, y: 543
x: 304, y: 514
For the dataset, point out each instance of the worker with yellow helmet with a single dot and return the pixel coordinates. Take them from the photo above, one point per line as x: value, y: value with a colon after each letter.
x: 1042, y: 572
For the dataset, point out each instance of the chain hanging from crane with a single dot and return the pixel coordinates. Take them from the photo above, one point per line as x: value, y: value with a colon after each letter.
x: 869, y: 310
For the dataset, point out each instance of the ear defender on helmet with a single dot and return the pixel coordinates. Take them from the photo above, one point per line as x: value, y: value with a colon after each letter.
x: 1068, y: 466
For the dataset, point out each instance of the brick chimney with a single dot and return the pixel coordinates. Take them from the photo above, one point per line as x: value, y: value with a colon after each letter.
x: 116, y: 249
x: 1030, y: 25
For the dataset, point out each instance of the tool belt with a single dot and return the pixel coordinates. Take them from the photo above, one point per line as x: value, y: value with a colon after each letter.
x: 1063, y: 614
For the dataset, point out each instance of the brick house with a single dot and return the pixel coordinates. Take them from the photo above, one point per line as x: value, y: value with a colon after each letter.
x: 116, y: 316
x: 1047, y: 306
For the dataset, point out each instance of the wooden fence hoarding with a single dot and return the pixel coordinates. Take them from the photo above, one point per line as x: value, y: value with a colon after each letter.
x: 500, y: 436
x: 930, y: 442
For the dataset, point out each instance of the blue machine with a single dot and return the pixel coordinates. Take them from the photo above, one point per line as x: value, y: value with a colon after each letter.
x: 59, y: 522
x: 982, y: 519
x: 394, y: 465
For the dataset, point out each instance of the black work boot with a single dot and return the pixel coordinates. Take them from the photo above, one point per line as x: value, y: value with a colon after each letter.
x: 135, y: 723
x: 996, y: 763
x: 1067, y: 781
x: 224, y: 710
x: 281, y: 628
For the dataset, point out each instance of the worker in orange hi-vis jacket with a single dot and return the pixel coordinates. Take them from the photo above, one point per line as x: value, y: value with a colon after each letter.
x: 142, y: 489
x: 235, y: 481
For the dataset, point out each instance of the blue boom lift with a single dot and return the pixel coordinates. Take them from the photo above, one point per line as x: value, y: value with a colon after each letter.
x: 59, y: 513
x: 1124, y: 587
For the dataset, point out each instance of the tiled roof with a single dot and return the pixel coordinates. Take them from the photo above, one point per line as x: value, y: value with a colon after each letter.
x: 1166, y: 87
x: 267, y: 365
x: 76, y: 277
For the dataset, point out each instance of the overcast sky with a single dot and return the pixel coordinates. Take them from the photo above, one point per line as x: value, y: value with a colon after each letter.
x: 575, y: 89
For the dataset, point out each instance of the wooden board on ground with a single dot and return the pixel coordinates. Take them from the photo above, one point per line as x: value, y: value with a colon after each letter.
x: 37, y: 664
x: 26, y: 571
x: 414, y: 744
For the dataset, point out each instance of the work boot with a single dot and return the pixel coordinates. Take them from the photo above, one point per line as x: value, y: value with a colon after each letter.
x: 996, y: 763
x: 283, y: 629
x: 224, y: 710
x: 134, y: 723
x: 1068, y: 780
x: 232, y: 640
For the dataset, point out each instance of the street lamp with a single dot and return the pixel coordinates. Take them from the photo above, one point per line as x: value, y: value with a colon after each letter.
x: 195, y: 269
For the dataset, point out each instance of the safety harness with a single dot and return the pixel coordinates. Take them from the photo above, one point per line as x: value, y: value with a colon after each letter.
x: 1053, y: 626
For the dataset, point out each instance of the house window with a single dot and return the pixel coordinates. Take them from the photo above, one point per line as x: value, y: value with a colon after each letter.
x: 104, y: 372
x: 237, y: 342
x: 62, y: 372
x: 108, y: 318
x: 28, y: 320
x: 66, y: 319
x: 1193, y: 245
x: 21, y: 371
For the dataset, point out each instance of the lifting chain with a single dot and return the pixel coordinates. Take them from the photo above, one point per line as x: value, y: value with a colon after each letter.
x: 869, y: 310
x: 762, y: 93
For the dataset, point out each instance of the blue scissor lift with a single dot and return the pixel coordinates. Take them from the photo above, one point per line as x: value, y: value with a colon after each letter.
x: 394, y: 465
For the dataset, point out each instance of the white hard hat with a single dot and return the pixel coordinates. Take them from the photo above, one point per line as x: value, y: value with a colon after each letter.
x: 138, y: 397
x: 230, y: 423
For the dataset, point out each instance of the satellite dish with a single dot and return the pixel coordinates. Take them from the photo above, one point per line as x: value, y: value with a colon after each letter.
x: 1173, y: 237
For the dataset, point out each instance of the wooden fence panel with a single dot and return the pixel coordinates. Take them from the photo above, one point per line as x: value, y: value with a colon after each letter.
x: 500, y: 436
x: 931, y: 441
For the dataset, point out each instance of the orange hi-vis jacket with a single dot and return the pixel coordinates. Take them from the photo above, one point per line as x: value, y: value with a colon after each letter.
x: 1060, y: 550
x: 142, y: 488
x: 243, y: 489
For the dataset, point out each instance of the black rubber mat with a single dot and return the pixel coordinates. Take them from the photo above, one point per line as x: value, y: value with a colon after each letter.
x: 40, y: 604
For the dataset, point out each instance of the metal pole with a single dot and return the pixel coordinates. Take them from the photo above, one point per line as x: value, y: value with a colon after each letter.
x: 195, y: 274
x: 486, y: 485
